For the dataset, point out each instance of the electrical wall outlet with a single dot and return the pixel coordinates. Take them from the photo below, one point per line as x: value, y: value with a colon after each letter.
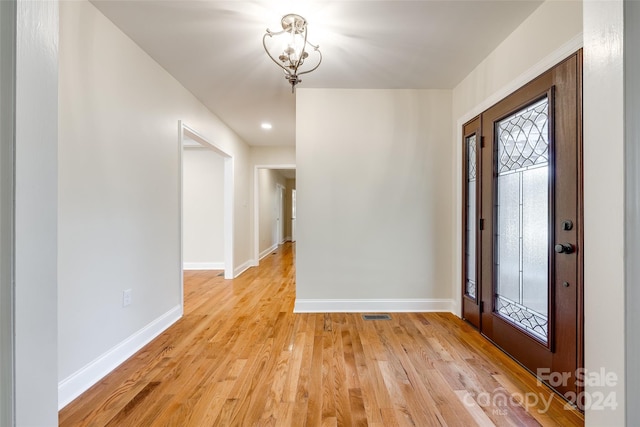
x: 126, y: 297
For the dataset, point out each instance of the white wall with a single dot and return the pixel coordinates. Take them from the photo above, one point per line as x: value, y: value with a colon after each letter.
x: 604, y: 205
x: 268, y: 181
x: 35, y: 232
x: 203, y: 209
x: 119, y: 204
x: 553, y: 24
x: 273, y: 155
x: 374, y: 203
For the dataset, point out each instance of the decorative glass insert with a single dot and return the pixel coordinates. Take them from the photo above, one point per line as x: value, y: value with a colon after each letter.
x: 524, y: 138
x: 522, y: 210
x: 532, y: 321
x: 470, y: 250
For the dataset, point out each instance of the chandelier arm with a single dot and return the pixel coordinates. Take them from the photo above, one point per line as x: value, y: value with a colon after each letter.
x: 315, y: 48
x: 264, y: 44
x: 275, y: 33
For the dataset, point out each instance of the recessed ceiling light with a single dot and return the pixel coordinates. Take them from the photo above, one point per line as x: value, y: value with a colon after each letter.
x: 266, y: 126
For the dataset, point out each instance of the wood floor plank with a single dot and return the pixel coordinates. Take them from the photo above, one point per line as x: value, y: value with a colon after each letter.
x: 241, y: 357
x: 302, y: 392
x: 363, y: 366
x: 314, y: 390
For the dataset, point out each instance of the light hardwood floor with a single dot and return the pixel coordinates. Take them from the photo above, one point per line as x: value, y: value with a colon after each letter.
x: 240, y: 357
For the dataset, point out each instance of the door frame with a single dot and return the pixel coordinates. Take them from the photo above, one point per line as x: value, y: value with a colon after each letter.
x: 187, y: 131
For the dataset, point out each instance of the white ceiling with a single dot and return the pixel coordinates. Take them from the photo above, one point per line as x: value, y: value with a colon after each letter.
x: 214, y: 48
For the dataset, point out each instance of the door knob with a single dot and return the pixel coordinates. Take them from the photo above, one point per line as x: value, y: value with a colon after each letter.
x: 564, y: 248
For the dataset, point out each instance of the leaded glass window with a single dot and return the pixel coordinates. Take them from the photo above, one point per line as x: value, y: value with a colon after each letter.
x: 470, y: 250
x: 522, y: 231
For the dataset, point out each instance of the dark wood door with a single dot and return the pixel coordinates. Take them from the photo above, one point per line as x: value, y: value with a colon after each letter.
x: 530, y: 226
x: 471, y: 144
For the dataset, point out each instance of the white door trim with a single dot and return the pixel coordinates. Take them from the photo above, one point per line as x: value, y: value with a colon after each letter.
x: 185, y: 130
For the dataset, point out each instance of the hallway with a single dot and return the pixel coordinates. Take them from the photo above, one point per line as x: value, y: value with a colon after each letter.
x: 239, y: 356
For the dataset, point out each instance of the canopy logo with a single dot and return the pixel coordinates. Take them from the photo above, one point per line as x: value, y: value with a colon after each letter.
x: 595, y: 400
x: 597, y: 396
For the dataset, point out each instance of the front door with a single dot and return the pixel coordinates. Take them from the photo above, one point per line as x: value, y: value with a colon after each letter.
x: 529, y: 249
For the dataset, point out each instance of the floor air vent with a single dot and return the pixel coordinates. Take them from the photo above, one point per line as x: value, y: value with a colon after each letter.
x: 376, y: 317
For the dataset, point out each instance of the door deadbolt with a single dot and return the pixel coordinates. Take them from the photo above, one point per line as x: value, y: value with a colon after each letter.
x: 567, y: 225
x: 564, y: 248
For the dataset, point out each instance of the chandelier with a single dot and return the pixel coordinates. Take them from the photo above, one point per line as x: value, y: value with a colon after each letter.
x: 295, y: 48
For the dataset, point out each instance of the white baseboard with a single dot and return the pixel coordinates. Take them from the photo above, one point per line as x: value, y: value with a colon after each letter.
x: 372, y: 305
x: 79, y: 382
x: 243, y: 267
x: 203, y: 266
x: 268, y: 251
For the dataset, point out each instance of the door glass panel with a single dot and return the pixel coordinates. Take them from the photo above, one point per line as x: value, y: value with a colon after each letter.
x: 470, y: 250
x: 522, y: 231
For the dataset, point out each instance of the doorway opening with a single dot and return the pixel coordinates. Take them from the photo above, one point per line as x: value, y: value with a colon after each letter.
x: 207, y: 204
x: 273, y: 212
